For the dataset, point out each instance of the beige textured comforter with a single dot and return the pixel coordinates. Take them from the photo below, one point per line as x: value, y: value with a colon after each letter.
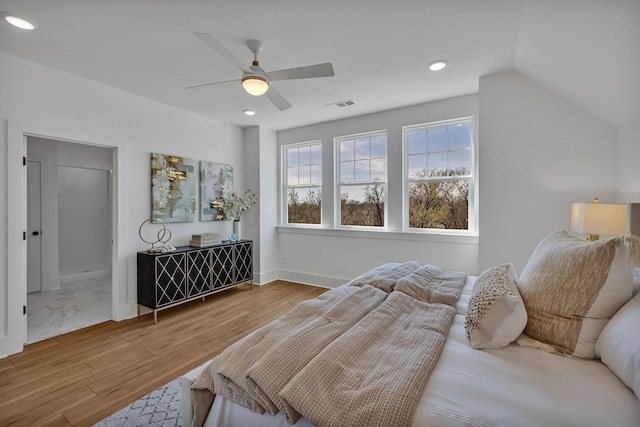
x: 358, y: 355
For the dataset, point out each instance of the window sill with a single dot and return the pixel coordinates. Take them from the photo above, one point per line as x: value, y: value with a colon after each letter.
x: 442, y: 237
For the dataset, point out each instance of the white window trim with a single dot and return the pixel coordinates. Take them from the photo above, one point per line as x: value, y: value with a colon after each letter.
x: 473, y: 189
x: 326, y: 228
x: 337, y: 183
x: 284, y: 186
x: 385, y: 235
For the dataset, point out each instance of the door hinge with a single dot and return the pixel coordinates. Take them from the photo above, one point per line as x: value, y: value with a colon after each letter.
x: 24, y: 161
x: 24, y: 235
x: 24, y: 310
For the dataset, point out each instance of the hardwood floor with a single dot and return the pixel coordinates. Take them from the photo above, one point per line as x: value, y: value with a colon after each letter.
x: 81, y: 377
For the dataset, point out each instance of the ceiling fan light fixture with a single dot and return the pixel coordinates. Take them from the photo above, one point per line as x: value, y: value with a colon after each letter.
x: 255, y: 85
x: 438, y: 64
x: 18, y: 21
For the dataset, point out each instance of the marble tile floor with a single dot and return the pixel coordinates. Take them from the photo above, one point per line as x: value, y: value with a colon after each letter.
x: 74, y: 306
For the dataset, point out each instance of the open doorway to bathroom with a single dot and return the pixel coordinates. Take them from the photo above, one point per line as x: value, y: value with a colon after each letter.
x: 69, y: 243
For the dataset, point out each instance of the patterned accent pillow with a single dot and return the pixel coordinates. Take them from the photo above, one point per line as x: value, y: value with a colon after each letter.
x: 572, y: 287
x: 496, y: 314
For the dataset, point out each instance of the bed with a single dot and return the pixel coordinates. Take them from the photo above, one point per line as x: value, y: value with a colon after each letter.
x: 497, y: 365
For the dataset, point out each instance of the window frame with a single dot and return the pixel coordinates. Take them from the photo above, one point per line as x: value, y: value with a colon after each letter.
x: 472, y: 178
x: 337, y: 181
x: 284, y: 188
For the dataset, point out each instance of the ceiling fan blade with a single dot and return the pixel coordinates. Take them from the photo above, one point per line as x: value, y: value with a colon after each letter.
x: 311, y: 71
x: 214, y: 44
x: 277, y: 99
x: 204, y: 85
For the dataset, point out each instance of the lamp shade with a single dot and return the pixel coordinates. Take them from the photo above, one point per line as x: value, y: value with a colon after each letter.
x: 255, y: 85
x: 598, y: 218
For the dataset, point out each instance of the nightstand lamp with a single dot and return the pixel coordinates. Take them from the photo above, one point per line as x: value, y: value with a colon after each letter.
x: 598, y: 218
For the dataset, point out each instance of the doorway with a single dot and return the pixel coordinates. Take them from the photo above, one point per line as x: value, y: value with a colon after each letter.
x: 69, y: 243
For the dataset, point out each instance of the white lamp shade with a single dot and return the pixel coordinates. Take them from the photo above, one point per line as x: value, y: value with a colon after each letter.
x: 598, y: 218
x: 254, y: 85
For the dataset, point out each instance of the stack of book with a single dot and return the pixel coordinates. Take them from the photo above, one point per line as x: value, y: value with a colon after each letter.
x: 203, y: 240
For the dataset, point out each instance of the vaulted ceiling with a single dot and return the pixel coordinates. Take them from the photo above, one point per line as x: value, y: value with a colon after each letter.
x: 587, y: 51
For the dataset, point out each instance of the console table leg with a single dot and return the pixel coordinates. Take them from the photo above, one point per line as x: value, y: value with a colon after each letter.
x: 155, y: 317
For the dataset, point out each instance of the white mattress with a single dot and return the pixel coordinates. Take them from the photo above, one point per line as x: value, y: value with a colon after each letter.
x: 512, y: 386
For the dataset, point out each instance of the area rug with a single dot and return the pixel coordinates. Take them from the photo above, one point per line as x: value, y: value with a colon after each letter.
x: 160, y: 408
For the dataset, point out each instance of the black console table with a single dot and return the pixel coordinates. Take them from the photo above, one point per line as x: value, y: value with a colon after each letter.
x: 189, y: 273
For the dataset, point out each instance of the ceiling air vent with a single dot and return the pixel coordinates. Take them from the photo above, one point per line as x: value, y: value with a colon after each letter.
x: 344, y: 103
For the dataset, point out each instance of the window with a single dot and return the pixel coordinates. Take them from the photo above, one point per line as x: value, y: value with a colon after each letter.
x: 439, y: 175
x: 303, y: 183
x: 362, y: 179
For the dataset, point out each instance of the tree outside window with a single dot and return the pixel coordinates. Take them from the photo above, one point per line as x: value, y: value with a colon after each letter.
x: 362, y: 165
x: 438, y: 180
x: 439, y: 175
x: 303, y: 164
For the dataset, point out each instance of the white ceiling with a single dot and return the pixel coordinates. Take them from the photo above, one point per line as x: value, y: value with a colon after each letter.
x: 587, y: 51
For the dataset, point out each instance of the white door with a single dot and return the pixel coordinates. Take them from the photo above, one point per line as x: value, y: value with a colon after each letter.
x: 34, y: 226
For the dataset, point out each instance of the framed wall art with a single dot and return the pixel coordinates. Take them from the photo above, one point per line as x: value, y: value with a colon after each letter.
x: 173, y: 188
x: 216, y: 180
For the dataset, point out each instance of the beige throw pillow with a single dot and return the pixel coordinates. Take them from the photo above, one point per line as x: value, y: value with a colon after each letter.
x: 495, y: 314
x: 572, y: 287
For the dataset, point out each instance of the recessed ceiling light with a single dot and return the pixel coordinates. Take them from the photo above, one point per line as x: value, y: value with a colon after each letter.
x: 249, y: 112
x: 18, y: 21
x: 437, y: 65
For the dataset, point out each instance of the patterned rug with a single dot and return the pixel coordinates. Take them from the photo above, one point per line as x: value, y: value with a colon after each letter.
x: 160, y: 408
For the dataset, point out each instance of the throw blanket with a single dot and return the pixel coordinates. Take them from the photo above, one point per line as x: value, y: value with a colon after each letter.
x: 355, y: 356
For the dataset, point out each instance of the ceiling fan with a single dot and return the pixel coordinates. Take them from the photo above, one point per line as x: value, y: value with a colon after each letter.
x: 255, y: 80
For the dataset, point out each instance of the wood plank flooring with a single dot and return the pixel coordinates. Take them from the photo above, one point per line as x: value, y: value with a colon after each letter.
x: 81, y: 377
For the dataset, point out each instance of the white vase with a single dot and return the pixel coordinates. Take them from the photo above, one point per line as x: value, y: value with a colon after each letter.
x: 237, y: 229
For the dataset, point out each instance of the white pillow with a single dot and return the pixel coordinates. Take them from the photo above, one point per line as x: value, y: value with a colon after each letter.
x: 496, y: 314
x: 619, y: 344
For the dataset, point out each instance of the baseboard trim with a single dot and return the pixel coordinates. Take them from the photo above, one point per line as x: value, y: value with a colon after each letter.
x: 102, y: 274
x: 265, y: 277
x: 311, y: 279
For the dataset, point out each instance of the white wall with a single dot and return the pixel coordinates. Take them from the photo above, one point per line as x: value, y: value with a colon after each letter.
x: 259, y: 222
x: 49, y: 99
x: 83, y: 179
x: 331, y: 257
x: 84, y: 244
x: 628, y: 157
x: 538, y: 153
x: 268, y: 205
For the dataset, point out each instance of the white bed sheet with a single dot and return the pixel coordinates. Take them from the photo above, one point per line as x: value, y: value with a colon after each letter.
x: 513, y: 386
